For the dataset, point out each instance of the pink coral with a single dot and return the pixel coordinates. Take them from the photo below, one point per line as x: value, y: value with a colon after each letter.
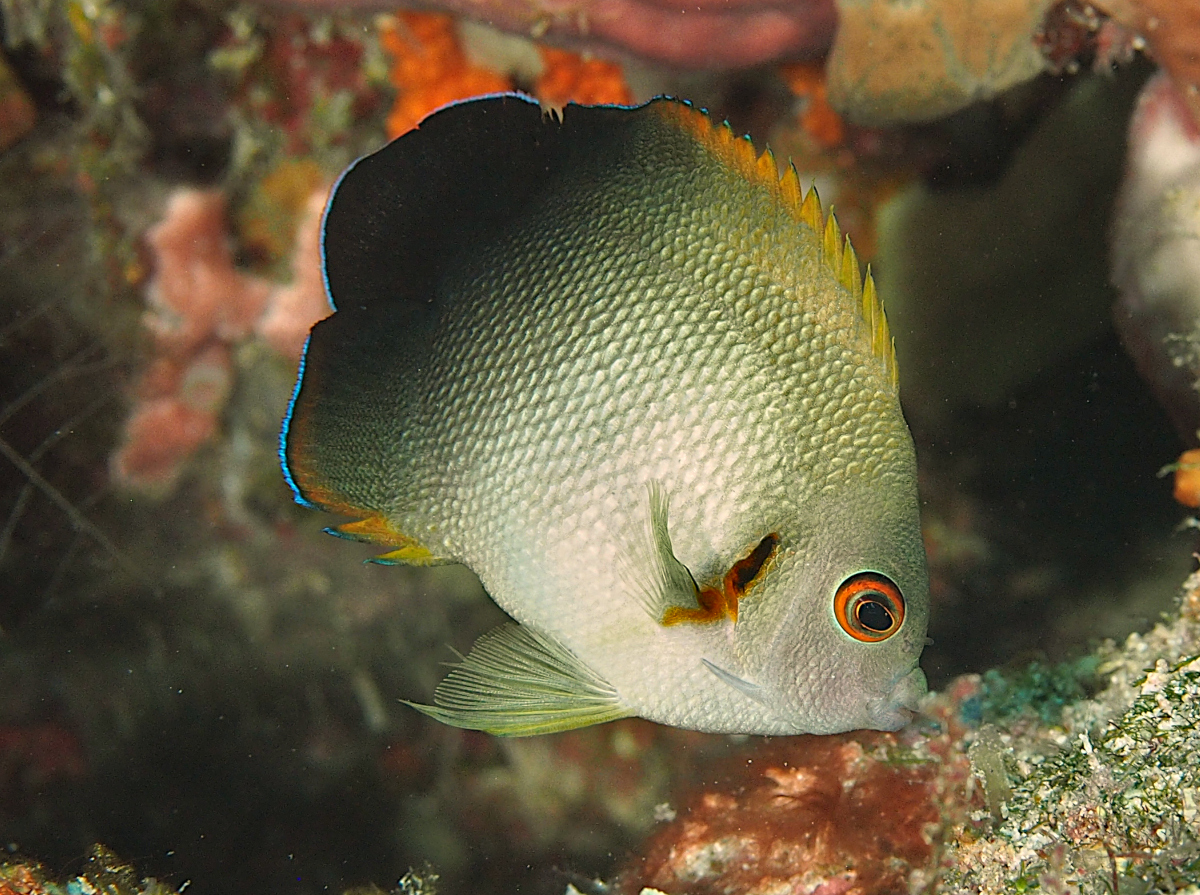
x: 196, y: 294
x: 701, y: 34
x: 863, y: 813
x: 199, y: 305
x: 826, y: 815
x: 293, y: 309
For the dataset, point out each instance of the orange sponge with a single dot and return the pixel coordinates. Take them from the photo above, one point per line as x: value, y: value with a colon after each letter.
x: 429, y: 68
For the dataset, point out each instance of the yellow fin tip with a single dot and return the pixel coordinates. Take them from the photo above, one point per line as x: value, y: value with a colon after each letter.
x: 839, y: 257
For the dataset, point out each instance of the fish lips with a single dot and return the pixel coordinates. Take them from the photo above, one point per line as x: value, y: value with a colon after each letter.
x: 900, y: 705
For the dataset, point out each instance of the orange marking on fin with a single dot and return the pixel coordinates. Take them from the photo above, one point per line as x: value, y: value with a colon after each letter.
x: 810, y: 210
x: 717, y: 603
x: 714, y: 606
x: 378, y: 529
x: 793, y: 194
x: 326, y: 498
x: 373, y: 530
x: 766, y: 167
x: 733, y: 151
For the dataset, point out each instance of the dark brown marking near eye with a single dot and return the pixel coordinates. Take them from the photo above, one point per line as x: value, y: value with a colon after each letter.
x: 744, y: 571
x: 721, y: 602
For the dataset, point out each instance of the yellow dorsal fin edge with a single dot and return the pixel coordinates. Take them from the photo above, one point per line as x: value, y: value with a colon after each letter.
x: 839, y: 257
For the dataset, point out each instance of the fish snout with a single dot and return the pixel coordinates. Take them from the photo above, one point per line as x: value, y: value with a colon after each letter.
x: 898, y: 707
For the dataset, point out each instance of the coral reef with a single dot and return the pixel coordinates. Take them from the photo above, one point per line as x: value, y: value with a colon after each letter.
x: 435, y: 62
x: 1104, y: 800
x: 242, y: 733
x: 429, y: 68
x: 893, y: 63
x: 1170, y: 30
x: 102, y: 872
x: 302, y: 87
x: 808, y: 81
x: 815, y: 814
x: 1084, y: 795
x: 568, y: 77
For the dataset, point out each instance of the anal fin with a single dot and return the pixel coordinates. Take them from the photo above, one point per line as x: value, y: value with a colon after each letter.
x: 519, y: 682
x: 379, y: 530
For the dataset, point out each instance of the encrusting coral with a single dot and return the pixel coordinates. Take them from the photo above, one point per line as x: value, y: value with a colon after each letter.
x: 824, y: 815
x: 897, y: 62
x: 431, y: 68
x: 568, y: 77
x: 894, y: 62
x: 199, y: 307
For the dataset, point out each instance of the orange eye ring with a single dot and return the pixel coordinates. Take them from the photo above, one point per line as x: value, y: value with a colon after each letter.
x: 869, y: 607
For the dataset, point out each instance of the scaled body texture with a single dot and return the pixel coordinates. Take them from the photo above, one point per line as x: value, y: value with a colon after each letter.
x: 628, y: 376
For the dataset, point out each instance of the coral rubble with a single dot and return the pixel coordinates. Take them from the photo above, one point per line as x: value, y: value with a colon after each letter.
x: 1105, y: 799
x: 102, y: 872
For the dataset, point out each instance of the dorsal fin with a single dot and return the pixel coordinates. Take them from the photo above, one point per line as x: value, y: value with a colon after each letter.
x: 399, y: 219
x: 837, y: 254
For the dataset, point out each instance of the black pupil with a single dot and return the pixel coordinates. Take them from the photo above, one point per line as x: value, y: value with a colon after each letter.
x: 873, y: 615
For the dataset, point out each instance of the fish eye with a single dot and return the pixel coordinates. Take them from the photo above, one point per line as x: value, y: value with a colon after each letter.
x: 869, y: 607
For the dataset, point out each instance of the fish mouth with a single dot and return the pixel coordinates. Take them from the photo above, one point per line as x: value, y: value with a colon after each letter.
x: 900, y: 705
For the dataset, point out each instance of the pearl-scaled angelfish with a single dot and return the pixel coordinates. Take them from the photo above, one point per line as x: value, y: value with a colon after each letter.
x: 633, y: 379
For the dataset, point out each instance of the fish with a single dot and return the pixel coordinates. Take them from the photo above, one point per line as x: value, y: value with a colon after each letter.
x: 615, y: 363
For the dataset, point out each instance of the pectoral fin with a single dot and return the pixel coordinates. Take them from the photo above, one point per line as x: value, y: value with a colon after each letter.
x: 669, y: 591
x: 519, y: 682
x: 659, y: 581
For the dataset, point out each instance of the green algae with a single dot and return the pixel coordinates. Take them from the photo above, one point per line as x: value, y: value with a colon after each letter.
x: 1040, y: 688
x: 1114, y: 810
